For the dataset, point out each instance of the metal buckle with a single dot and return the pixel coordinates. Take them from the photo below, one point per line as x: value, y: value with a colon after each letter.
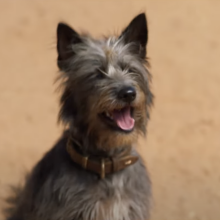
x: 128, y: 162
x: 103, y: 169
x: 84, y: 162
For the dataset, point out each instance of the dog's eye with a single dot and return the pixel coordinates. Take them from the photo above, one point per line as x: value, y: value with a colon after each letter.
x: 131, y: 70
x: 100, y: 74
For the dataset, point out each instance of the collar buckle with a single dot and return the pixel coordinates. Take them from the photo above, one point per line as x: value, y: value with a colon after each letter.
x: 102, y: 174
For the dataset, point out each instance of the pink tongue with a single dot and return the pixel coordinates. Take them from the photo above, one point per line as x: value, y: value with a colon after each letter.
x: 123, y: 118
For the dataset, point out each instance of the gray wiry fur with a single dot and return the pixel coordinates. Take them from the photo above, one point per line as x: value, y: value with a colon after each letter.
x: 93, y: 72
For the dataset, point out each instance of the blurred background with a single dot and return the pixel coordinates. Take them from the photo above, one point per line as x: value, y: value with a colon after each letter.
x: 182, y: 148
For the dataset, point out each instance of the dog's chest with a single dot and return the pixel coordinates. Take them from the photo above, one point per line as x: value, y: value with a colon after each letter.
x: 110, y: 199
x: 111, y: 202
x: 116, y: 207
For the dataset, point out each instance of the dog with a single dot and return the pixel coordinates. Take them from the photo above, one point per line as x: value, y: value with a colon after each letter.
x: 94, y: 171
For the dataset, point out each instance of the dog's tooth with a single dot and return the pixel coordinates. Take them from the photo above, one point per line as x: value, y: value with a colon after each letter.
x: 110, y: 115
x: 107, y: 114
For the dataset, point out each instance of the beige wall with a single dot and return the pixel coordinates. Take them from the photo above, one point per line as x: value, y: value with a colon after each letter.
x: 183, y: 145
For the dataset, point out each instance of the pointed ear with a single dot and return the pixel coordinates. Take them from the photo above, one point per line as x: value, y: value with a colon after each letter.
x: 137, y: 31
x: 66, y: 37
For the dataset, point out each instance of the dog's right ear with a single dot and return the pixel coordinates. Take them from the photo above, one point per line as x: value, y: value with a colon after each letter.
x: 137, y: 31
x: 66, y: 38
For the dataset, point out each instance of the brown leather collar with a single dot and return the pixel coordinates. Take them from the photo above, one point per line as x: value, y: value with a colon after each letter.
x: 100, y: 166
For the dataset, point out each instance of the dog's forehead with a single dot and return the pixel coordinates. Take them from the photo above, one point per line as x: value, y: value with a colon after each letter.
x: 121, y: 56
x: 116, y: 49
x: 111, y: 49
x: 111, y: 55
x: 115, y: 53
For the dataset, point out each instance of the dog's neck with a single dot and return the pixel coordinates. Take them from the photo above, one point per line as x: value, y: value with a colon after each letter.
x: 99, y: 162
x: 87, y: 145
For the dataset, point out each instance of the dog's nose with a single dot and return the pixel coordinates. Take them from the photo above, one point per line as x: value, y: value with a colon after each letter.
x: 127, y: 94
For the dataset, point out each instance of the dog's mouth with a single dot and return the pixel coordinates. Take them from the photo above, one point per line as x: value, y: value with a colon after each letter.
x: 120, y: 118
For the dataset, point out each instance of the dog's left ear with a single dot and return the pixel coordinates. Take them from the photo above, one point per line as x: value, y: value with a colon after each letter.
x: 137, y: 31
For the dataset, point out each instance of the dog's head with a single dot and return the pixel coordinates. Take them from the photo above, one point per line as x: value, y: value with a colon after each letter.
x: 106, y: 83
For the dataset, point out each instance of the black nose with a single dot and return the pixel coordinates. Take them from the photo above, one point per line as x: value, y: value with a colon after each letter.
x: 127, y: 94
